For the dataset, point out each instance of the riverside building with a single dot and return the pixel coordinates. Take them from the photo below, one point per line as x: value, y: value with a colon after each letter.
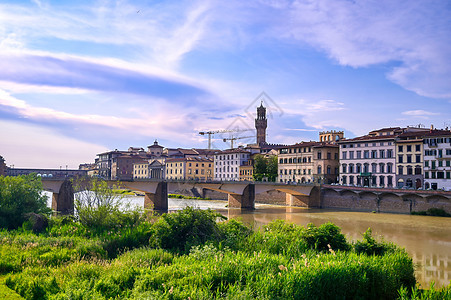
x: 227, y: 164
x: 437, y: 160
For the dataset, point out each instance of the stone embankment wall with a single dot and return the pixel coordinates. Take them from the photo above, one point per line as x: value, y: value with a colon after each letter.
x: 271, y: 197
x: 387, y: 202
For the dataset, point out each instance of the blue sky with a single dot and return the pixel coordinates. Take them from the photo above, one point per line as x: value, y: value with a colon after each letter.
x: 81, y: 77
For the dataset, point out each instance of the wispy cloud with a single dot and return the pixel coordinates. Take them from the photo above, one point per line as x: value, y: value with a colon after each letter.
x: 422, y: 114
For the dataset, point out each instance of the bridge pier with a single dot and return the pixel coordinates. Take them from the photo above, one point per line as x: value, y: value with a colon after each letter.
x: 159, y: 199
x: 311, y: 201
x: 63, y: 200
x: 244, y: 201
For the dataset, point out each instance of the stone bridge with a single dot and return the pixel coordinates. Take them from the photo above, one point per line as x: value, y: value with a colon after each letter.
x: 240, y: 194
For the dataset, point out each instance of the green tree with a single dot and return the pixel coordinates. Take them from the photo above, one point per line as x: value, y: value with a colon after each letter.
x: 259, y: 167
x: 265, y: 167
x: 271, y: 169
x: 20, y: 196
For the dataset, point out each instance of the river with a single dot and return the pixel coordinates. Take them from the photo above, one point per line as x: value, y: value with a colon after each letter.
x: 426, y: 239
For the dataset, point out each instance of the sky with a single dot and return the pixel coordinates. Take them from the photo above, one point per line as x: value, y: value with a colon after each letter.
x: 78, y: 78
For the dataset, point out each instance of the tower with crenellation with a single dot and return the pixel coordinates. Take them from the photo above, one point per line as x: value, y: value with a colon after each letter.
x: 261, y: 123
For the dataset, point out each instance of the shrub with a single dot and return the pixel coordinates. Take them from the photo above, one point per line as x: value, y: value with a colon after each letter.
x: 233, y: 234
x: 19, y: 196
x: 325, y: 237
x: 181, y: 230
x: 436, y: 212
x: 100, y: 209
x: 370, y: 246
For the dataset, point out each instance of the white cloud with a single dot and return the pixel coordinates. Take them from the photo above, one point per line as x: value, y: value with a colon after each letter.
x: 419, y: 112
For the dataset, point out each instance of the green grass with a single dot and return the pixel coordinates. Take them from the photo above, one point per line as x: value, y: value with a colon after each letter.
x: 6, y: 293
x: 192, y: 254
x: 177, y: 196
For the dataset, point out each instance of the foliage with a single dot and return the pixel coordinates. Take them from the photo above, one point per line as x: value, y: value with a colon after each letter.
x: 265, y: 167
x: 100, y: 209
x: 177, y: 196
x: 416, y: 293
x: 19, y: 196
x: 436, y: 212
x: 184, y: 229
x: 198, y: 257
x: 325, y: 237
x: 370, y: 246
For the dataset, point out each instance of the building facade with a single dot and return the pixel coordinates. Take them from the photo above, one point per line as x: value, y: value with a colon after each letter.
x: 437, y: 160
x: 325, y: 163
x: 3, y: 167
x: 190, y: 168
x: 227, y: 164
x: 296, y: 163
x: 409, y: 160
x: 369, y: 160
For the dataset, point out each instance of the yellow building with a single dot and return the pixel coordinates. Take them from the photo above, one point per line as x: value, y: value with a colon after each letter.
x: 247, y: 171
x: 189, y: 168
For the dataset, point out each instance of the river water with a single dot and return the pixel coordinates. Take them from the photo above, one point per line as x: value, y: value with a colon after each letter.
x: 426, y: 239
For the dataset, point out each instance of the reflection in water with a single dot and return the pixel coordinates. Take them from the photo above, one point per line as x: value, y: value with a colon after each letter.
x: 426, y: 239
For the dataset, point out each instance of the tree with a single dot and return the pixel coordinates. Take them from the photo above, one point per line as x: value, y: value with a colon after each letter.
x: 19, y: 197
x: 265, y: 167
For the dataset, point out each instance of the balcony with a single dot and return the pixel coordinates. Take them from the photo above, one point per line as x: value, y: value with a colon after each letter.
x: 365, y: 174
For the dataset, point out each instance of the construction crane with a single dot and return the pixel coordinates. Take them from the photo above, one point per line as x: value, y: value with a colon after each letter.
x: 212, y: 132
x: 232, y: 139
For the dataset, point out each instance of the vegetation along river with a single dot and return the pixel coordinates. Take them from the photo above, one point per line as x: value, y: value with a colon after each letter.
x: 426, y: 239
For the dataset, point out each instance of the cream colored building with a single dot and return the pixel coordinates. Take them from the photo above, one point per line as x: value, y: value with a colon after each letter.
x: 190, y: 168
x: 296, y: 163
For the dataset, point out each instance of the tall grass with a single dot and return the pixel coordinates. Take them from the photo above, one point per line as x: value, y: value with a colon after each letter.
x: 189, y: 254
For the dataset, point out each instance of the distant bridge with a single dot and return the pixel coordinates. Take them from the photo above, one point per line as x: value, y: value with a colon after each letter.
x: 242, y: 194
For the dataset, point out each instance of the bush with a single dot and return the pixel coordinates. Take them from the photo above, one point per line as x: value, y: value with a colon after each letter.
x: 181, y: 230
x: 370, y: 246
x: 20, y: 196
x: 325, y: 237
x: 436, y: 212
x: 100, y: 209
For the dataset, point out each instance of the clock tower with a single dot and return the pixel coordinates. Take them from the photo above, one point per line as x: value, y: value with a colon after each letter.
x: 260, y: 124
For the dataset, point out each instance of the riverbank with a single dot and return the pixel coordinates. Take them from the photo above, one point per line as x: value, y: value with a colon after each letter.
x: 189, y: 254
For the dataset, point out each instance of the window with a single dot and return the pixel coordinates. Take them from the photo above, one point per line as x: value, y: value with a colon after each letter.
x: 417, y: 170
x: 351, y: 168
x: 351, y: 154
x: 344, y: 168
x: 426, y: 175
x: 381, y: 168
x: 329, y: 155
x: 373, y: 168
x: 399, y: 148
x: 400, y: 159
x: 381, y: 181
x: 433, y: 164
x: 374, y: 154
x: 344, y: 179
x: 400, y: 170
x: 351, y: 179
x: 440, y: 175
x: 381, y: 154
x: 426, y: 163
x: 328, y: 170
x: 389, y: 153
x: 344, y: 155
x: 358, y: 168
x: 418, y: 148
x: 366, y: 154
x: 409, y: 170
x: 359, y: 154
x: 319, y: 170
x: 448, y: 162
x: 409, y: 148
x: 409, y: 158
x: 418, y: 158
x: 319, y: 154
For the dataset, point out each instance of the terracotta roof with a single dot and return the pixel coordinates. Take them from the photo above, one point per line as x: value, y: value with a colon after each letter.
x: 189, y: 159
x: 369, y: 138
x: 229, y: 151
x: 437, y: 132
